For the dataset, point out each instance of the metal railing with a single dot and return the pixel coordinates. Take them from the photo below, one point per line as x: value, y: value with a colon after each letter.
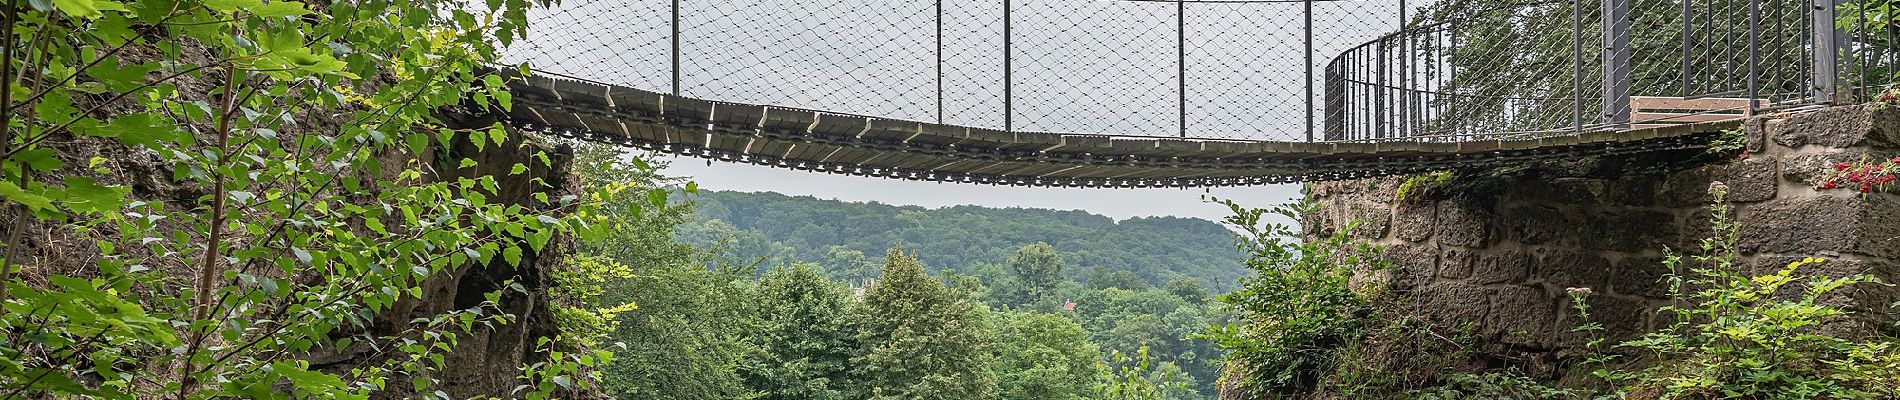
x: 1281, y: 70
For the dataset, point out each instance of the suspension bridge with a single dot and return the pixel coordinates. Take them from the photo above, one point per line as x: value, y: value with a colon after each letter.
x: 1149, y: 93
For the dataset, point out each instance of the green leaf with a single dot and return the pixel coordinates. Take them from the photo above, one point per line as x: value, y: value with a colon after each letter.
x: 121, y: 78
x: 305, y: 380
x: 15, y: 193
x: 280, y: 9
x: 40, y: 159
x: 86, y: 196
x: 512, y: 254
x: 303, y: 256
x: 148, y: 130
x: 87, y: 9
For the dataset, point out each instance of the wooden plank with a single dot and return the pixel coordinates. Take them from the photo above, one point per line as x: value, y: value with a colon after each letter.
x: 1652, y: 117
x: 1677, y: 103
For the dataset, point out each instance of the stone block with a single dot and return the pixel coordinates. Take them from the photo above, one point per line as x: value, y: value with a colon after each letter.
x: 1523, y: 315
x: 1569, y: 268
x: 1867, y: 225
x: 1695, y: 226
x: 1457, y: 263
x: 1866, y: 125
x: 1640, y: 276
x: 1454, y: 304
x: 1639, y: 191
x: 1500, y: 267
x: 1887, y: 121
x: 1807, y: 168
x: 1622, y: 318
x: 1630, y: 230
x: 1757, y: 131
x: 1415, y: 221
x: 1878, y: 221
x: 1534, y: 223
x: 1558, y: 191
x: 1371, y: 219
x: 1464, y: 223
x: 1754, y: 179
x: 1414, y: 265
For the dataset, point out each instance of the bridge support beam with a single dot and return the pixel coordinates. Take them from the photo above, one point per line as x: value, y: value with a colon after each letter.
x: 1616, y: 63
x: 1828, y: 53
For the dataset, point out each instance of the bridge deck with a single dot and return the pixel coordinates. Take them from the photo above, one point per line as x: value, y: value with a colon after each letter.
x: 859, y: 145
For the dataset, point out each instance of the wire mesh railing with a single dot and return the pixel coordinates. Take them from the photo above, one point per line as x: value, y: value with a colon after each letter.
x: 1273, y: 70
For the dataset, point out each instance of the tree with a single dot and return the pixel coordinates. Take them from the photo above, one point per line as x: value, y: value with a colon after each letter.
x: 805, y: 338
x: 1187, y: 288
x: 1103, y: 278
x: 686, y: 339
x: 1037, y: 269
x: 315, y: 202
x: 1044, y: 356
x: 917, y: 340
x: 1038, y: 266
x: 849, y: 265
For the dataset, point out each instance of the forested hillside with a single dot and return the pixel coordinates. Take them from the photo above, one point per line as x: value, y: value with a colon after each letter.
x: 775, y: 229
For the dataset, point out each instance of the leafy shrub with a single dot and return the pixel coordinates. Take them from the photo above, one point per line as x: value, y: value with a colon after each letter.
x: 1741, y: 336
x: 1299, y: 309
x: 1492, y: 385
x: 297, y: 189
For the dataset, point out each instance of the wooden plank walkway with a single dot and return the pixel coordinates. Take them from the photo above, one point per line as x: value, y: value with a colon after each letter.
x: 859, y: 145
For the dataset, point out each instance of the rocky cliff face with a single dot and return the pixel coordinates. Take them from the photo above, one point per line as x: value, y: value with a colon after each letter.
x: 1497, y: 254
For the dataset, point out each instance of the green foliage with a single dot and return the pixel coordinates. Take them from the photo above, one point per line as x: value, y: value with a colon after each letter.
x: 313, y: 189
x: 578, y: 288
x: 1036, y: 272
x: 918, y: 340
x: 780, y: 230
x: 1140, y: 377
x: 1188, y: 289
x: 1417, y: 186
x: 805, y: 337
x: 1492, y: 385
x: 1103, y: 278
x: 1044, y: 356
x: 850, y: 265
x: 1730, y: 143
x: 687, y: 340
x: 1299, y: 310
x: 1745, y: 336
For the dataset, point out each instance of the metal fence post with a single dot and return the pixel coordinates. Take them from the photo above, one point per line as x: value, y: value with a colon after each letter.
x: 940, y: 61
x: 1754, y: 53
x: 1008, y: 82
x: 1331, y: 97
x: 1616, y: 63
x: 1576, y: 47
x: 676, y: 47
x: 1827, y: 53
x: 1180, y: 62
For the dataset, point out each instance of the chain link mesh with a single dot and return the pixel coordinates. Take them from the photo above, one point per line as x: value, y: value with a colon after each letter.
x: 1339, y: 70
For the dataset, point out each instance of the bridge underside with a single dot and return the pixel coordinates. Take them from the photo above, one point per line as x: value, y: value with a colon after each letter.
x: 858, y: 145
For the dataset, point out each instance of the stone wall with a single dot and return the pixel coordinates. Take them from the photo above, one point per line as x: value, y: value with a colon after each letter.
x: 1498, y: 252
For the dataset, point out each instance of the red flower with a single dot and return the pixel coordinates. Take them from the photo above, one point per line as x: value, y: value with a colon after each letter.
x: 1842, y: 166
x: 1895, y: 160
x: 1829, y: 185
x: 1866, y: 187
